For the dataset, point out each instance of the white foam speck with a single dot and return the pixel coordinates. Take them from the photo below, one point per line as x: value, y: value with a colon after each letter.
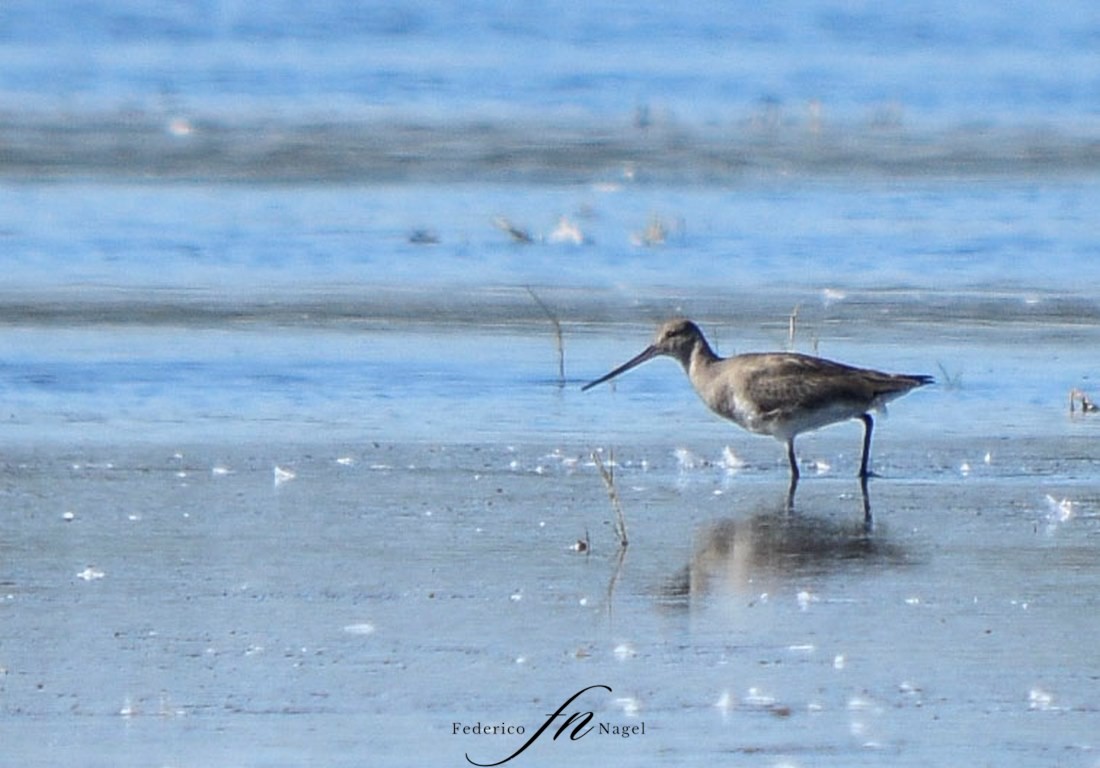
x: 91, y: 573
x: 754, y: 697
x: 629, y: 705
x: 180, y: 127
x: 725, y: 702
x: 1040, y: 700
x: 688, y: 460
x: 360, y: 628
x: 731, y: 461
x: 283, y: 475
x: 806, y: 598
x: 624, y: 651
x: 1059, y: 511
x: 861, y: 704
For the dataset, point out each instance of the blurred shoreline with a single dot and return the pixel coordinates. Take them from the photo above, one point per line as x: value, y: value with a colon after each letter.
x: 160, y: 146
x: 355, y: 307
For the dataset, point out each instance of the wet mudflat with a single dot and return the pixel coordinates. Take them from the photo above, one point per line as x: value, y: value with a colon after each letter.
x: 287, y: 475
x: 272, y: 601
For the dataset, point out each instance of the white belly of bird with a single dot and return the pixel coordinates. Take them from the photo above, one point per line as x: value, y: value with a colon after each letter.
x: 786, y: 427
x: 820, y: 417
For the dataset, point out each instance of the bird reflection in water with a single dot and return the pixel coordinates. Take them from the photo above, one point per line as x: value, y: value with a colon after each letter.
x: 745, y: 555
x: 868, y: 520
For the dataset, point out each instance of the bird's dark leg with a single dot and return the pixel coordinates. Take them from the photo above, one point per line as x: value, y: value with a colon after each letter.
x: 868, y: 425
x: 868, y: 520
x: 794, y: 475
x: 793, y: 461
x: 790, y: 493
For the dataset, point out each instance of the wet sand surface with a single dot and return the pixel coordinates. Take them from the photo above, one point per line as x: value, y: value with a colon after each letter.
x: 290, y: 585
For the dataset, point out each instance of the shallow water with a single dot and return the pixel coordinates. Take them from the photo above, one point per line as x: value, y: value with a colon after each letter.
x: 356, y: 611
x: 263, y: 506
x: 289, y: 471
x: 333, y: 543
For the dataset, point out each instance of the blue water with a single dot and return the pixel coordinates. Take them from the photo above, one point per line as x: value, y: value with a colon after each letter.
x: 165, y: 309
x: 288, y: 474
x: 1016, y: 235
x: 945, y: 62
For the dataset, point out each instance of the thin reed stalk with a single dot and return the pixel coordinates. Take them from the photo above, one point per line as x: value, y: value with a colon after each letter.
x: 557, y: 334
x: 608, y: 476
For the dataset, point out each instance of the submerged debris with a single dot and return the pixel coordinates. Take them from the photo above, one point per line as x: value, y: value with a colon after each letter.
x: 582, y: 545
x: 1087, y: 406
x: 424, y: 237
x: 654, y: 234
x: 567, y: 232
x: 518, y: 234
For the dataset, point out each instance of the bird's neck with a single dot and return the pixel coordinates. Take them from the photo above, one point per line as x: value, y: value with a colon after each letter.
x: 699, y: 356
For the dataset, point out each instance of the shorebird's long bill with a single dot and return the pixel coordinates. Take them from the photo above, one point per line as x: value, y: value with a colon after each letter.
x: 648, y: 354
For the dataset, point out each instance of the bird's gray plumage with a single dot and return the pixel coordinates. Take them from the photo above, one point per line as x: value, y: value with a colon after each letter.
x: 781, y: 394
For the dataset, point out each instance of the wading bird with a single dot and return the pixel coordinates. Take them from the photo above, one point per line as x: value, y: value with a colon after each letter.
x: 781, y: 394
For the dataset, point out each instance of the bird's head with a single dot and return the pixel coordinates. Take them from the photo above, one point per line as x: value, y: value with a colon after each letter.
x: 675, y: 338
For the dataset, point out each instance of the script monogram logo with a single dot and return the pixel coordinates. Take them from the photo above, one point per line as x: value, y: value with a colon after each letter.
x: 580, y: 721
